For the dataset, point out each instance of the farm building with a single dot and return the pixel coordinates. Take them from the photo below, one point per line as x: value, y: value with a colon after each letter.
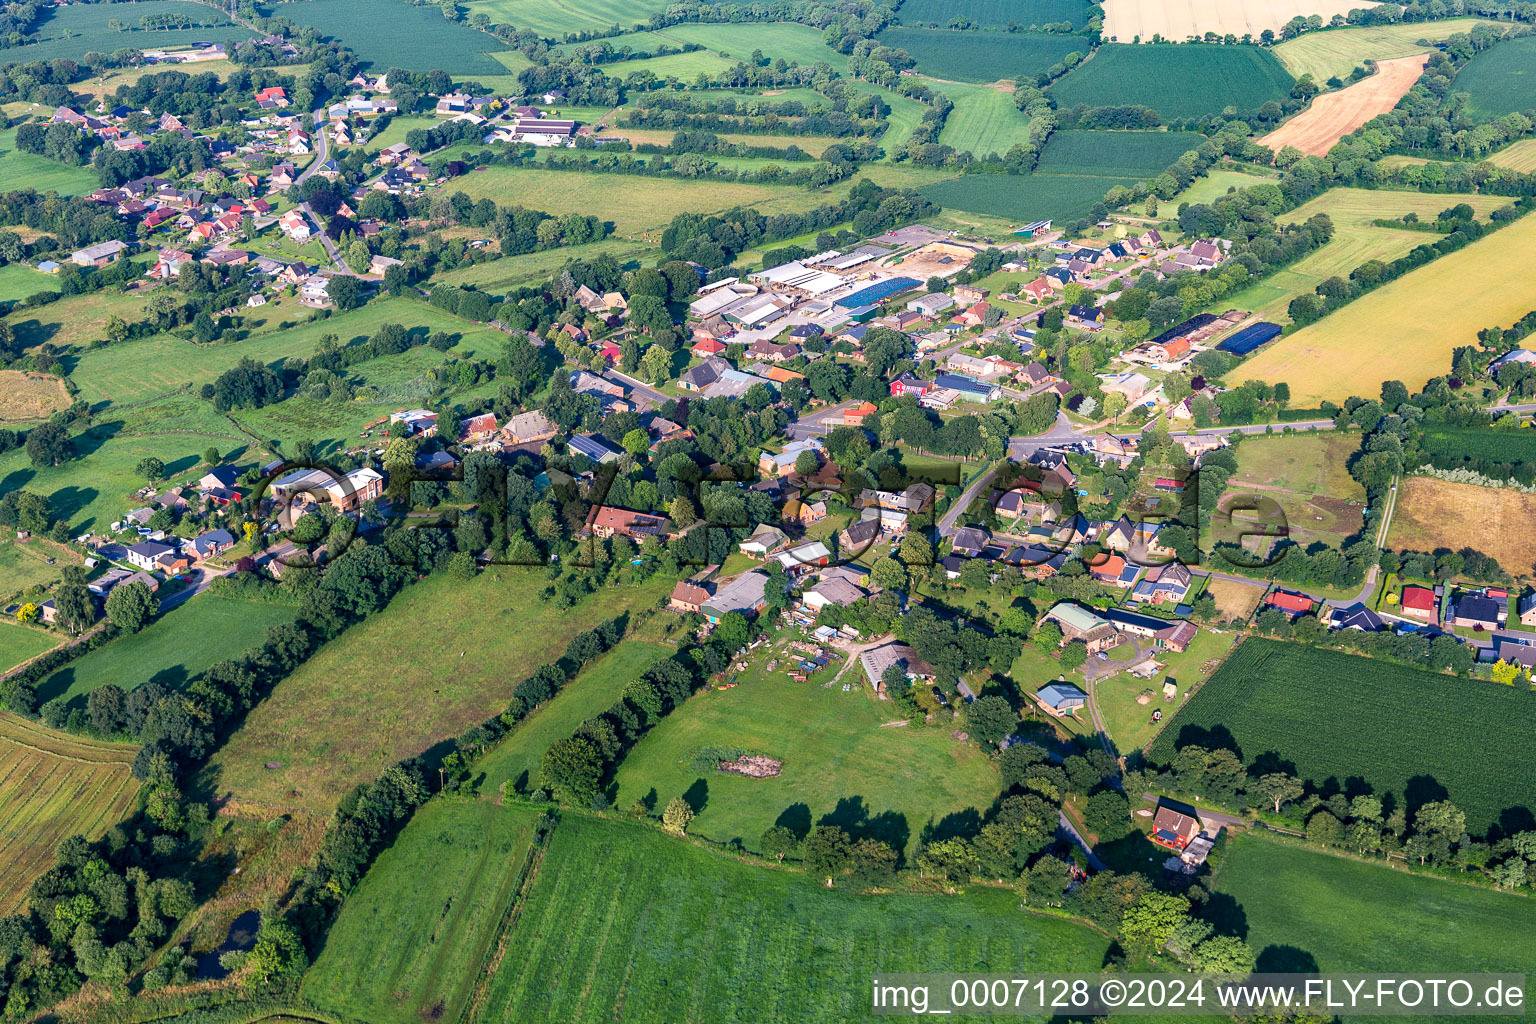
x: 1061, y: 698
x: 876, y: 660
x: 1078, y: 623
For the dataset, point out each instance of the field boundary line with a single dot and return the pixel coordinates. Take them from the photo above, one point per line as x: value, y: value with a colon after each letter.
x: 497, y: 949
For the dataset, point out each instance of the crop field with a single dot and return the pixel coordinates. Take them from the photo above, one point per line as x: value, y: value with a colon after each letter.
x: 18, y: 644
x: 1301, y: 907
x: 386, y: 36
x: 1333, y: 115
x: 18, y: 281
x: 53, y: 786
x: 1432, y: 514
x: 1176, y: 81
x: 839, y: 761
x: 981, y: 55
x: 1355, y: 240
x: 172, y: 650
x: 1115, y: 154
x: 1128, y: 20
x: 683, y: 934
x: 1324, y: 55
x: 554, y: 18
x: 25, y: 396
x: 393, y: 686
x: 1473, y: 443
x: 995, y: 13
x: 1337, y: 716
x: 1424, y: 313
x: 77, y: 29
x: 795, y: 43
x: 1023, y: 198
x: 634, y: 204
x: 440, y: 892
x: 1517, y: 156
x: 28, y: 170
x: 1499, y: 80
x: 1306, y: 475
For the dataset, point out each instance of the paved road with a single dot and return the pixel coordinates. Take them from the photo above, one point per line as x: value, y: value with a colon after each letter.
x: 960, y: 504
x: 814, y: 424
x: 1069, y: 830
x: 644, y: 390
x: 1208, y: 816
x: 203, y: 581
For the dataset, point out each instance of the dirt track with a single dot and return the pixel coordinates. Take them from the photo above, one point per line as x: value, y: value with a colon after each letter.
x: 1334, y: 115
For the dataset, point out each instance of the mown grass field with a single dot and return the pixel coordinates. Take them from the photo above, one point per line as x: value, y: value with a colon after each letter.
x: 681, y: 934
x: 439, y: 892
x: 74, y: 319
x: 983, y: 121
x: 110, y: 80
x: 554, y: 18
x: 18, y: 643
x: 995, y: 13
x: 77, y: 29
x: 812, y: 144
x: 1300, y: 907
x: 24, y: 564
x: 443, y: 656
x: 53, y: 786
x: 1023, y: 198
x: 634, y: 204
x: 840, y: 760
x: 1338, y: 716
x: 1432, y: 514
x: 1518, y: 156
x: 1176, y: 81
x: 1425, y: 314
x: 1215, y: 185
x: 1338, y: 52
x: 683, y: 66
x: 172, y: 650
x: 905, y: 115
x: 1307, y: 475
x: 795, y: 43
x: 1499, y: 80
x: 28, y: 170
x: 417, y: 38
x: 26, y: 396
x: 981, y: 55
x: 1115, y: 154
x: 18, y: 281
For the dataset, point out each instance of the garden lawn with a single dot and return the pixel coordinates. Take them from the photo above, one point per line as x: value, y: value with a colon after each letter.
x: 172, y: 650
x: 445, y: 655
x: 398, y: 128
x: 1339, y: 716
x: 841, y: 761
x: 52, y: 786
x: 981, y: 55
x: 1130, y: 724
x: 677, y: 933
x: 440, y: 892
x: 1324, y: 55
x: 594, y: 691
x: 1405, y: 330
x: 18, y: 281
x: 1177, y: 81
x: 1499, y: 80
x: 403, y: 35
x: 633, y: 203
x: 18, y: 644
x: 1303, y: 909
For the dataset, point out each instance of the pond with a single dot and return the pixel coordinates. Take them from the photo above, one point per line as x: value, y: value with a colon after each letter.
x: 242, y: 936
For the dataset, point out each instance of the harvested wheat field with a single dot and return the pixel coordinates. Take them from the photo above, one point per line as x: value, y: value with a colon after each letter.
x: 29, y: 396
x: 1334, y: 115
x: 1234, y: 600
x: 1177, y: 20
x: 1517, y: 156
x: 1432, y: 514
x: 53, y: 786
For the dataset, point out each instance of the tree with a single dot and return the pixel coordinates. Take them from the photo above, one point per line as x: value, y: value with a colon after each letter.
x: 1047, y: 638
x: 1045, y: 882
x: 279, y: 951
x: 150, y: 468
x: 1074, y: 655
x: 73, y: 601
x: 676, y: 817
x: 48, y: 444
x: 1223, y: 954
x: 211, y: 456
x: 826, y: 852
x: 1153, y: 918
x: 1108, y: 815
x: 1277, y: 788
x: 989, y: 719
x: 345, y: 292
x: 806, y: 463
x: 130, y: 605
x: 778, y: 842
x: 1325, y: 830
x: 358, y: 257
x: 573, y: 768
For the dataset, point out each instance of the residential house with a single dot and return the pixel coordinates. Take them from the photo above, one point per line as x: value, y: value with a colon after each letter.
x: 295, y: 225
x: 1527, y: 609
x: 909, y: 384
x: 1164, y: 584
x: 1356, y: 617
x: 836, y: 590
x: 688, y: 596
x: 763, y: 543
x: 804, y: 512
x: 1420, y: 603
x: 771, y: 352
x: 1040, y: 290
x: 151, y: 555
x: 974, y: 315
x: 1476, y: 610
x: 605, y: 522
x: 969, y: 293
x: 783, y: 463
x: 857, y: 537
x: 1289, y: 602
x: 969, y: 541
x: 699, y: 377
x: 804, y: 557
x: 1088, y: 318
x: 1114, y: 571
x: 1174, y: 827
x: 592, y: 447
x: 477, y: 428
x: 860, y: 413
x: 213, y: 542
x: 529, y: 427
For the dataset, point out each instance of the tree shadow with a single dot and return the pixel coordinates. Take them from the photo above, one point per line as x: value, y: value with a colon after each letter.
x: 797, y: 818
x: 1226, y: 915
x: 1217, y: 737
x: 697, y: 796
x: 1269, y: 763
x: 55, y: 685
x: 1421, y: 790
x: 853, y: 817
x: 961, y: 824
x: 1285, y: 960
